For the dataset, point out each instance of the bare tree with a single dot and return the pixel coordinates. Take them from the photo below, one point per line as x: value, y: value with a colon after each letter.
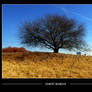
x: 53, y: 32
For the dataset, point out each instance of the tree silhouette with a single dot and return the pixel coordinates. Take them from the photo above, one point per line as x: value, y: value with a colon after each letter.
x: 53, y: 32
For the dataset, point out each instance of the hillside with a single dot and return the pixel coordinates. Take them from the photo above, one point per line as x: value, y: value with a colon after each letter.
x: 45, y: 65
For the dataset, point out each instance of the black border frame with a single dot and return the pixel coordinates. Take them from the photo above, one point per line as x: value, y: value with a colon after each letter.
x: 44, y: 81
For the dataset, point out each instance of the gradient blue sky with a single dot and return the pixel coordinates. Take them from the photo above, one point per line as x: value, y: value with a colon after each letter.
x: 15, y: 14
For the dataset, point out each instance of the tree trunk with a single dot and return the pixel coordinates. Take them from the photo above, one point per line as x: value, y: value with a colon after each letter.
x: 56, y: 50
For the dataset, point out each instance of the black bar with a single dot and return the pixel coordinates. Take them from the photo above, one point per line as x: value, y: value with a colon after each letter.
x: 46, y: 1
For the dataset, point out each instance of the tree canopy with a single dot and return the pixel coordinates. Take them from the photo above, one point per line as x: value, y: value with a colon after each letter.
x: 53, y: 32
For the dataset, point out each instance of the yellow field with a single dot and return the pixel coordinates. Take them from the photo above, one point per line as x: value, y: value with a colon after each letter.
x: 45, y: 65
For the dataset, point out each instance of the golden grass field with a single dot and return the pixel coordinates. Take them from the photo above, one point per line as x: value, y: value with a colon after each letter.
x: 45, y: 65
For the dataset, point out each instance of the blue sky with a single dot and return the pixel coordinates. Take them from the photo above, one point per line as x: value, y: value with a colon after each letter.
x: 15, y: 14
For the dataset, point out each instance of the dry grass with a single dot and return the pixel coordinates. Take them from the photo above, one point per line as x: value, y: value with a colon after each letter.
x: 45, y: 65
